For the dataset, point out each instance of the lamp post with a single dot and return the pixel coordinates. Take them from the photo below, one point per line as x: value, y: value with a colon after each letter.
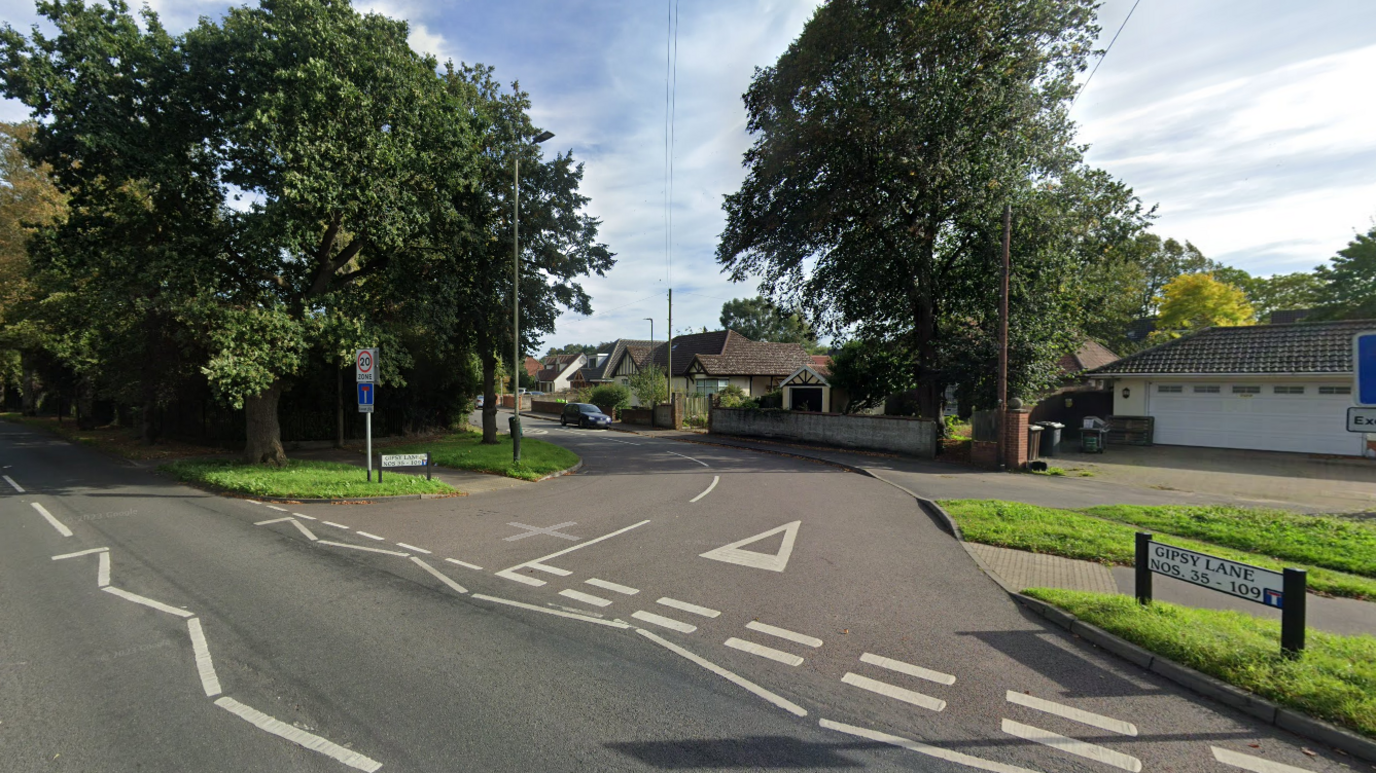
x: 516, y: 301
x: 651, y: 320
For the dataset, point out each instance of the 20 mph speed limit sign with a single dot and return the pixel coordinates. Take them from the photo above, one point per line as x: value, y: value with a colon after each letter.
x: 365, y: 366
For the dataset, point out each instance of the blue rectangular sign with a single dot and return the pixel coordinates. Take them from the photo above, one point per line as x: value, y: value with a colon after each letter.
x: 1364, y: 367
x: 365, y: 394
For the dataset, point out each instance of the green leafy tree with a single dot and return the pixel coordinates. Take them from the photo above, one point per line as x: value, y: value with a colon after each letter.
x: 1285, y: 292
x: 1193, y: 301
x: 1349, y: 284
x: 868, y: 372
x: 649, y: 385
x: 759, y: 320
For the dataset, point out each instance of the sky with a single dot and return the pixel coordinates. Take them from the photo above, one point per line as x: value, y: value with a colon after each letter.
x: 1247, y: 123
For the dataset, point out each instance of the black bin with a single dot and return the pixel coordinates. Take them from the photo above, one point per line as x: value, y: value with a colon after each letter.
x: 1051, y: 436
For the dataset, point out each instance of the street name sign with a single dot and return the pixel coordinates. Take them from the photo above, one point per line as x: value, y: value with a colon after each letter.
x: 365, y: 398
x: 365, y: 366
x: 1361, y: 420
x: 404, y: 460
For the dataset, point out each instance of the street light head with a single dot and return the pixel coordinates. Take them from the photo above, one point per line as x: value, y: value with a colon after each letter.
x: 541, y: 137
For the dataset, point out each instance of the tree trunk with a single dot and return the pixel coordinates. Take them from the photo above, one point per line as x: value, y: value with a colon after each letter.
x: 264, y: 442
x: 489, y: 399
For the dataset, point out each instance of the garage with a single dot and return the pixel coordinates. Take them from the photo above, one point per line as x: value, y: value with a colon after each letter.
x: 1261, y: 387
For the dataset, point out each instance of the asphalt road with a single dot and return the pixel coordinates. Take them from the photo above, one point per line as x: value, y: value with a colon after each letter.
x: 569, y: 625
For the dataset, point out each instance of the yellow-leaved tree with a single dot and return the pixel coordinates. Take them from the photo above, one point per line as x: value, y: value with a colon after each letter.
x: 1193, y: 301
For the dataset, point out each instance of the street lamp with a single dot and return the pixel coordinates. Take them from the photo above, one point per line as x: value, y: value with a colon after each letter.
x: 516, y: 301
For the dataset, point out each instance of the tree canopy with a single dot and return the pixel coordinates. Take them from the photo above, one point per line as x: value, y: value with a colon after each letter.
x: 1349, y: 284
x: 759, y: 320
x: 1192, y: 301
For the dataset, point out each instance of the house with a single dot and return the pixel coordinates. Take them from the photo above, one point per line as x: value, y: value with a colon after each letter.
x: 617, y: 364
x: 558, y: 372
x: 1074, y: 399
x: 706, y: 363
x: 533, y: 368
x: 1277, y: 387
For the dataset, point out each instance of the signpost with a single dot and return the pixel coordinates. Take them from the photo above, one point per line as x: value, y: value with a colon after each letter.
x: 1282, y: 590
x: 1364, y: 369
x: 365, y: 372
x: 403, y: 460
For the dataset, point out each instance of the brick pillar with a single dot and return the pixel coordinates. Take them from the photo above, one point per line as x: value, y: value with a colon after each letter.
x: 1015, y: 440
x: 680, y: 407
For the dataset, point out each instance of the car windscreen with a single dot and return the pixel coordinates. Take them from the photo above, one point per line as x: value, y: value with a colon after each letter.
x: 589, y: 409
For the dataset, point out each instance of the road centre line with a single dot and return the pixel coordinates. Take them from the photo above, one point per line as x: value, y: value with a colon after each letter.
x: 586, y: 598
x: 689, y: 458
x: 413, y: 547
x: 371, y: 536
x: 18, y: 489
x: 103, y: 569
x: 439, y: 575
x: 1072, y: 746
x: 787, y: 658
x: 730, y: 676
x: 663, y: 622
x: 303, y: 515
x: 80, y: 553
x: 147, y: 602
x: 360, y: 547
x: 611, y: 586
x: 1254, y: 764
x: 204, y: 667
x: 554, y: 570
x: 336, y: 525
x: 715, y: 480
x: 922, y: 748
x: 278, y: 509
x: 784, y: 633
x: 1069, y: 712
x: 464, y: 564
x: 297, y: 736
x: 555, y: 612
x: 686, y: 607
x: 302, y: 528
x: 891, y: 691
x: 907, y: 668
x: 56, y: 524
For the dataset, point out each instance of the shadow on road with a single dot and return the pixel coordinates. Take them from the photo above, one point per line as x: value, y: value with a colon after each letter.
x: 756, y: 751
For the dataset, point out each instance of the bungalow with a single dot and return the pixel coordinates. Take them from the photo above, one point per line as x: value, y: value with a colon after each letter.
x: 558, y: 371
x: 1273, y: 387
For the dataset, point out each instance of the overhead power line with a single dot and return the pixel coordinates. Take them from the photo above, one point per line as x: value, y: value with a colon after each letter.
x: 1105, y: 56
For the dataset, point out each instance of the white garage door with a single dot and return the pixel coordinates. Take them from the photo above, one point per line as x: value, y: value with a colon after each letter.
x: 1301, y: 417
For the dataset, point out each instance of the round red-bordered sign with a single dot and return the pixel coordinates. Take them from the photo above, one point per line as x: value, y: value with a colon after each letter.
x: 365, y: 361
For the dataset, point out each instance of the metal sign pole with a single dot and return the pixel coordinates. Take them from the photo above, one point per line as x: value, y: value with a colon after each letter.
x: 368, y: 424
x: 1143, y: 567
x: 1292, y: 614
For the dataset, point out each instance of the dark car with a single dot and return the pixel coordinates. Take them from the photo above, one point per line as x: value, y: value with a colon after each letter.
x: 584, y: 415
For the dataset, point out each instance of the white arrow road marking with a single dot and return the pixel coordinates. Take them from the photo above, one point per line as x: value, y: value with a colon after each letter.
x: 787, y: 658
x: 554, y: 570
x: 278, y: 509
x: 555, y: 612
x: 509, y: 573
x: 586, y: 598
x: 715, y: 480
x: 1254, y: 764
x: 663, y: 622
x: 732, y: 554
x: 336, y: 525
x: 371, y: 536
x: 18, y: 489
x: 1069, y: 712
x: 439, y: 575
x: 907, y: 668
x: 209, y: 681
x: 784, y: 633
x: 1080, y: 748
x: 741, y: 681
x: 297, y: 736
x: 147, y: 602
x: 611, y: 586
x: 891, y: 691
x: 922, y: 748
x: 56, y: 524
x: 686, y: 607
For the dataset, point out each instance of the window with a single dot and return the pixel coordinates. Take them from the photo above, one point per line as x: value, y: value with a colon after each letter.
x: 1335, y: 390
x: 1289, y: 390
x: 1206, y: 389
x: 1241, y: 389
x: 710, y: 386
x: 1170, y: 389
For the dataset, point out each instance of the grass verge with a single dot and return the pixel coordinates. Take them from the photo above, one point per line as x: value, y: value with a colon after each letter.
x: 299, y: 479
x: 1074, y: 534
x: 1334, y: 679
x: 465, y: 451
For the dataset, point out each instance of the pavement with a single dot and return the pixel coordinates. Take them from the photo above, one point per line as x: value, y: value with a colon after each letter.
x: 669, y: 606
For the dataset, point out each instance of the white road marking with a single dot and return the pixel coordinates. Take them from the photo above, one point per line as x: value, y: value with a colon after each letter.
x: 147, y: 602
x: 1079, y: 715
x: 372, y: 536
x: 586, y: 598
x: 686, y: 607
x: 509, y: 573
x: 61, y: 527
x: 622, y: 442
x: 18, y: 489
x: 922, y: 748
x: 209, y: 681
x: 548, y: 531
x: 1079, y: 748
x: 273, y: 520
x: 907, y: 668
x: 303, y: 515
x: 253, y: 501
x: 336, y: 525
x: 80, y: 553
x: 611, y: 586
x: 413, y: 547
x: 103, y: 569
x: 360, y: 547
x: 715, y: 480
x: 787, y: 658
x: 278, y: 509
x: 555, y: 612
x: 554, y: 570
x: 297, y: 736
x: 576, y: 610
x: 730, y: 676
x: 439, y: 575
x: 689, y: 458
x: 464, y: 564
x: 301, y: 527
x: 784, y: 633
x: 891, y: 691
x: 1254, y: 764
x: 732, y: 554
x: 663, y: 622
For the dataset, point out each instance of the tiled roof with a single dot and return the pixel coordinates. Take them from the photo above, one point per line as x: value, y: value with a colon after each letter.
x: 1301, y: 347
x: 617, y: 348
x: 1089, y: 356
x: 744, y: 357
x: 532, y: 366
x: 822, y: 364
x: 548, y: 374
x: 688, y: 346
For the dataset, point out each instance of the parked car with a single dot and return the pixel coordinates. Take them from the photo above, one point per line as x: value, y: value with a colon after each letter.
x: 479, y: 402
x: 584, y: 415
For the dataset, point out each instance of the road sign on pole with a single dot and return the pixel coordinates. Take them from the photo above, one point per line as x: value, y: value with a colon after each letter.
x: 365, y: 366
x: 365, y: 398
x: 1364, y: 368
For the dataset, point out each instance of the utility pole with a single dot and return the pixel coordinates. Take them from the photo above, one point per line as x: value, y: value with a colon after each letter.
x: 669, y: 352
x: 1003, y: 331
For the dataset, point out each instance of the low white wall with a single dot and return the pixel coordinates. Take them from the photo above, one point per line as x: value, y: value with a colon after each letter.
x: 897, y: 434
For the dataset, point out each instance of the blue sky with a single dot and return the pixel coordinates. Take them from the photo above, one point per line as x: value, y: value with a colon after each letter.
x: 1249, y: 122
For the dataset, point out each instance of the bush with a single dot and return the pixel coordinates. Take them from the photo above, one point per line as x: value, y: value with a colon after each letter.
x: 609, y: 397
x: 731, y: 397
x: 774, y: 399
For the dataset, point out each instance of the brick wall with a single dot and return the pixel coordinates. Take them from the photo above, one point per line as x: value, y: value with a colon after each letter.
x: 984, y: 453
x: 546, y: 406
x: 1016, y: 438
x: 899, y: 434
x: 643, y: 416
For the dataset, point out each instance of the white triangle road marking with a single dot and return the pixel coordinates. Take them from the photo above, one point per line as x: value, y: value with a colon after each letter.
x: 733, y: 554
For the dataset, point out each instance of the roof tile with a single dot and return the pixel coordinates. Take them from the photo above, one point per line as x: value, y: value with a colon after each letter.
x: 1301, y: 347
